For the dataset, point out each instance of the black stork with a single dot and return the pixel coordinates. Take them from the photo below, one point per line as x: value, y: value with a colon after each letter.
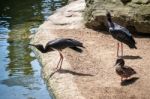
x: 58, y: 45
x: 120, y: 33
x: 122, y: 70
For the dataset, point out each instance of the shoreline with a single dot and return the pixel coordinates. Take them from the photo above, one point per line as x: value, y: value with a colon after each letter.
x: 57, y: 83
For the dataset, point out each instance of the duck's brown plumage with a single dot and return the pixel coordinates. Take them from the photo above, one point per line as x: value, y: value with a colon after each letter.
x: 124, y: 71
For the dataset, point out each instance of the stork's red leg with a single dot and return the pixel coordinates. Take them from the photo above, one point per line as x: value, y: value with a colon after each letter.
x: 117, y: 49
x: 121, y: 49
x: 61, y: 61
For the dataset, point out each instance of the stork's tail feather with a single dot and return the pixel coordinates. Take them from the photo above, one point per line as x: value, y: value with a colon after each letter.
x: 134, y: 72
x: 82, y: 46
x: 133, y: 47
x: 77, y: 49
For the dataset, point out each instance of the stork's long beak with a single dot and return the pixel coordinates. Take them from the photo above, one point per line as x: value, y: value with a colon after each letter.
x: 108, y: 14
x: 31, y: 44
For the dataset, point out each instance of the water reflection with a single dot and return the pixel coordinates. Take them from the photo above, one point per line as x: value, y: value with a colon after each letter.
x: 17, y: 65
x: 20, y: 72
x: 3, y: 46
x: 19, y: 53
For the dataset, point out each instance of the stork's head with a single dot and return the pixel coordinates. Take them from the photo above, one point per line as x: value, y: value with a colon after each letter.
x: 108, y: 14
x: 38, y: 46
x: 120, y: 61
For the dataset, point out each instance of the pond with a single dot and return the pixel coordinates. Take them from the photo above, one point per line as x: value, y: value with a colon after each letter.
x: 20, y: 72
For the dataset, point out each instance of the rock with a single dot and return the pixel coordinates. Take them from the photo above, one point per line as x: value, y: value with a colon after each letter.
x: 134, y: 14
x: 141, y: 1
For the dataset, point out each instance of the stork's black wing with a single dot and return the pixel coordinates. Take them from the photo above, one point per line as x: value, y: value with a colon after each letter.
x: 63, y: 43
x: 74, y: 43
x: 123, y: 35
x: 49, y: 44
x: 118, y: 27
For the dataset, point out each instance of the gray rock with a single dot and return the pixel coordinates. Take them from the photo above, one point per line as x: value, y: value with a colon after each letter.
x: 133, y: 14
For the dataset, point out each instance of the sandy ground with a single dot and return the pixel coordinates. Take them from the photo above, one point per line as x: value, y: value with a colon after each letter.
x: 96, y: 77
x: 91, y: 74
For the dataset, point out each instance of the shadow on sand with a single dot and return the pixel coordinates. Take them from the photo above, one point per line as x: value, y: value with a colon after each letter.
x: 129, y: 81
x: 70, y: 72
x: 131, y: 57
x: 74, y: 72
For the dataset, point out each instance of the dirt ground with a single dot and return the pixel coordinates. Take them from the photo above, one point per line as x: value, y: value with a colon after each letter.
x: 94, y: 71
x: 91, y: 74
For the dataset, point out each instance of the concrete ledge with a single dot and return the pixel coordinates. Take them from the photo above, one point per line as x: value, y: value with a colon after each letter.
x: 68, y: 17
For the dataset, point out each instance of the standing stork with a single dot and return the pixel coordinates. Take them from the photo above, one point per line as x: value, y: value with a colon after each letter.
x: 120, y: 33
x: 59, y: 45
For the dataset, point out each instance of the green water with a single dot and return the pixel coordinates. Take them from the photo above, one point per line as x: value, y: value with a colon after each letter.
x: 20, y: 72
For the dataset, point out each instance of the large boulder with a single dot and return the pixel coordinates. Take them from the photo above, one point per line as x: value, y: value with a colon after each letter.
x: 134, y: 14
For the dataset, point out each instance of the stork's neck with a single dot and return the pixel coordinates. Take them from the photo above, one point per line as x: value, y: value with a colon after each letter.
x: 42, y: 49
x: 109, y: 19
x: 45, y: 50
x: 110, y: 23
x: 48, y: 49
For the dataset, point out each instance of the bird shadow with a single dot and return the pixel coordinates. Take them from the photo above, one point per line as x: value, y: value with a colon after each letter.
x: 129, y: 81
x: 68, y: 71
x: 51, y: 74
x: 131, y: 57
x: 73, y: 72
x: 142, y: 35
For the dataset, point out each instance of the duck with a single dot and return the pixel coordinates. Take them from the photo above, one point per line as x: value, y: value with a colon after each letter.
x: 122, y: 70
